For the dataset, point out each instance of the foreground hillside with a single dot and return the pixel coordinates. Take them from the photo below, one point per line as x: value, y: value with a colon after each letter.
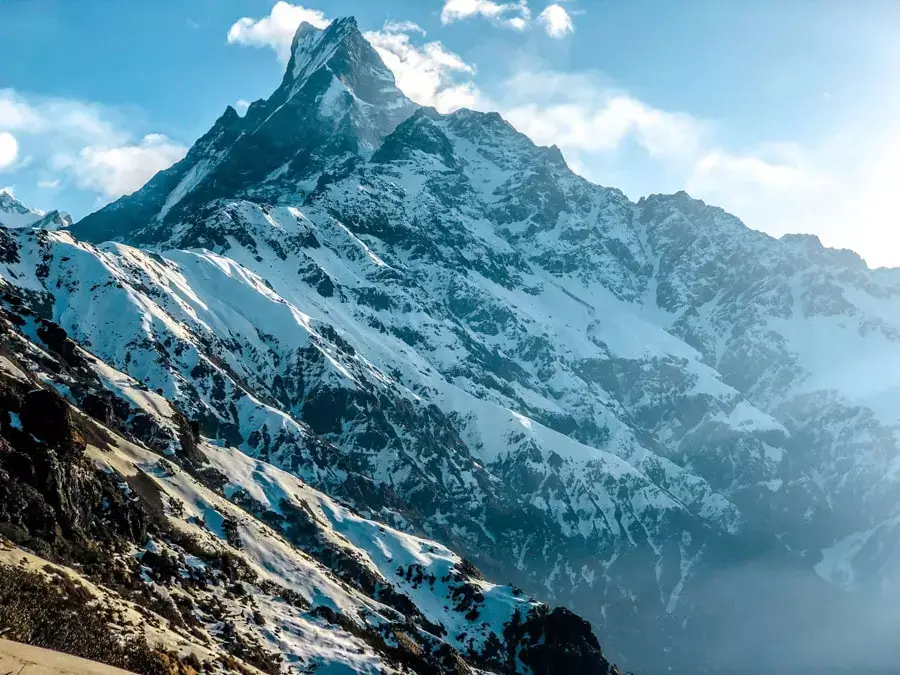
x: 127, y: 538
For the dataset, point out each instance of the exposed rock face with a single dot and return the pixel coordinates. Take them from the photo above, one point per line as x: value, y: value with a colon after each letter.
x: 51, y: 497
x: 556, y: 641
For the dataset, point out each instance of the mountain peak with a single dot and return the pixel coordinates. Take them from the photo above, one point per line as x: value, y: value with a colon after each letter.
x: 313, y: 49
x: 9, y: 203
x: 340, y: 55
x: 337, y: 103
x: 14, y: 214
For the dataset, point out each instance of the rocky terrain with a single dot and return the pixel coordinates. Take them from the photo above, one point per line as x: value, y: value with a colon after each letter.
x: 679, y: 428
x: 127, y: 538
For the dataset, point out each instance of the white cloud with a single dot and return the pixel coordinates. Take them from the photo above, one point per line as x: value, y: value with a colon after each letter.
x: 842, y: 190
x: 15, y: 113
x: 719, y: 171
x: 404, y: 27
x: 556, y: 21
x: 514, y: 15
x: 50, y: 184
x: 579, y: 114
x: 116, y: 171
x: 9, y: 150
x: 277, y: 29
x: 241, y: 107
x: 429, y: 74
x: 61, y: 119
x: 773, y: 188
x: 86, y: 140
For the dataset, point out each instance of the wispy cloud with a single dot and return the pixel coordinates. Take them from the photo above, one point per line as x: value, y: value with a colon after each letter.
x: 63, y: 119
x: 582, y: 116
x: 780, y: 169
x: 514, y: 15
x: 404, y: 27
x: 429, y: 73
x: 276, y: 30
x: 119, y: 170
x: 554, y: 19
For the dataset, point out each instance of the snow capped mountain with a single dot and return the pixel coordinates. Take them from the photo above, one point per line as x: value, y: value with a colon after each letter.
x: 335, y: 105
x: 14, y: 213
x: 681, y: 429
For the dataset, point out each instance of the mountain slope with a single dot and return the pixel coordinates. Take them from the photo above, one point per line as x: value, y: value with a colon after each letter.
x: 676, y: 426
x: 197, y: 556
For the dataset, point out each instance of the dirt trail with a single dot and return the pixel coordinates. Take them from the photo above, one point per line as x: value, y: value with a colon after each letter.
x: 19, y: 659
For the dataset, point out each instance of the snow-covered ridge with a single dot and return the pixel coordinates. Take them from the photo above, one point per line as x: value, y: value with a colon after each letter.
x: 15, y: 214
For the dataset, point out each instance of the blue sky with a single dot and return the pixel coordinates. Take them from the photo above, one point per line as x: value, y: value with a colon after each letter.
x: 782, y: 111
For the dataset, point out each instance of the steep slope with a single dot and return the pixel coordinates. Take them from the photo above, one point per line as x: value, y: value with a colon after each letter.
x: 149, y: 548
x: 634, y: 410
x: 335, y: 105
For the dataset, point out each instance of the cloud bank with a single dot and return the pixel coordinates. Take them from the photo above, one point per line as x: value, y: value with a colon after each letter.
x: 556, y: 21
x: 120, y: 170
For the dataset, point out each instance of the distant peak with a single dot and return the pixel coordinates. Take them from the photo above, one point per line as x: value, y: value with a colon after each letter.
x: 14, y: 214
x: 55, y: 220
x: 230, y: 113
x: 556, y: 156
x: 10, y: 204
